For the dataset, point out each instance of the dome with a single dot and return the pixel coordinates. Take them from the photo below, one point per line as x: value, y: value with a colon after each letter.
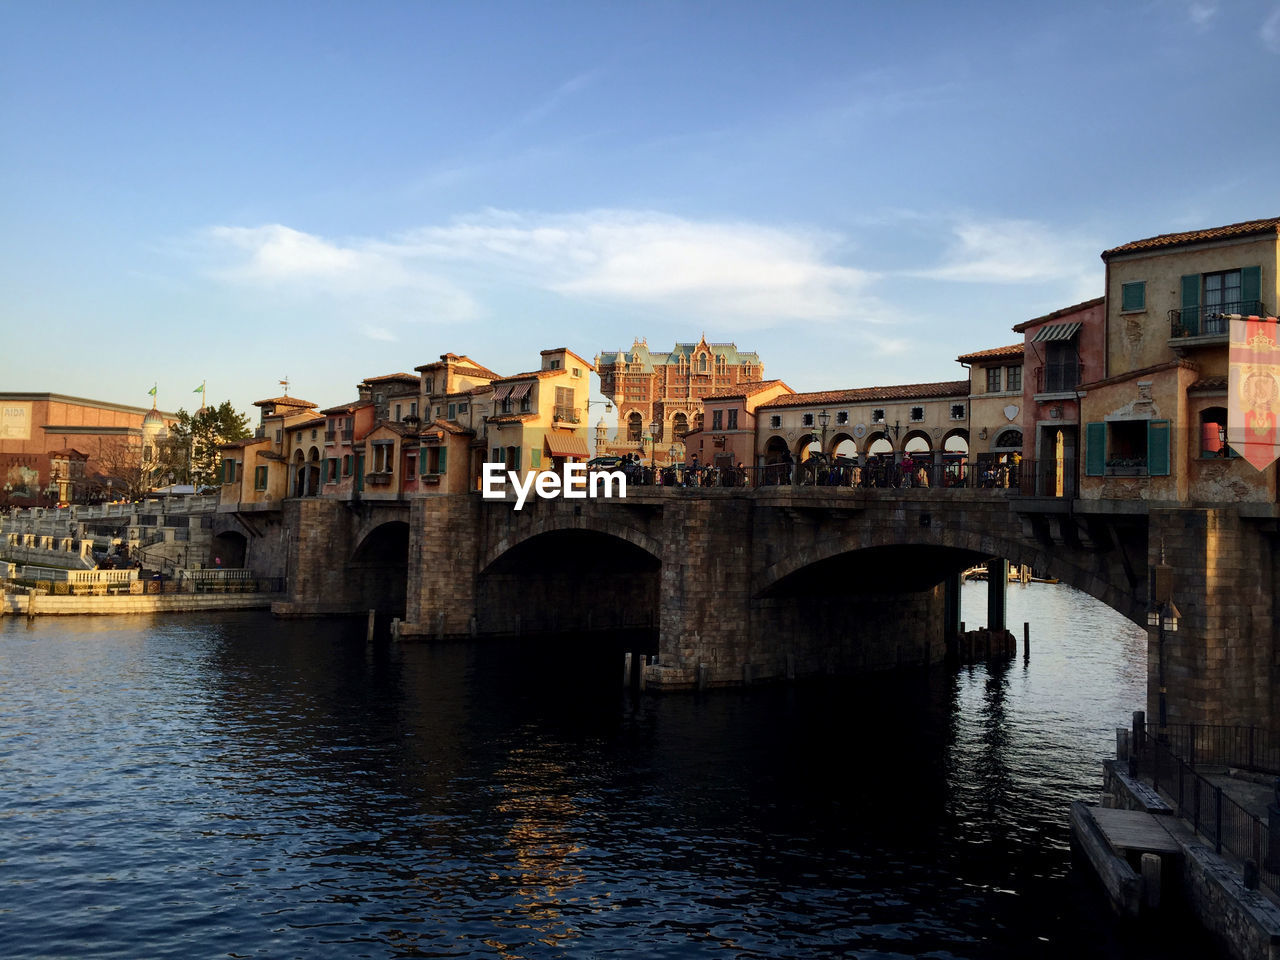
x: 153, y: 417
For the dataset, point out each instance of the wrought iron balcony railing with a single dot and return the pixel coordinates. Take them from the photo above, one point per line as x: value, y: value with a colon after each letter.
x: 568, y: 414
x: 1207, y: 320
x: 1059, y: 377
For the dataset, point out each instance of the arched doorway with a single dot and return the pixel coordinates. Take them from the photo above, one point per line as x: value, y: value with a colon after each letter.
x: 378, y: 571
x: 777, y: 461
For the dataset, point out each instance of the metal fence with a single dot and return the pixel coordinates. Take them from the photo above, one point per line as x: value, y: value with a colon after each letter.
x: 1247, y: 748
x: 1212, y: 812
x: 158, y: 585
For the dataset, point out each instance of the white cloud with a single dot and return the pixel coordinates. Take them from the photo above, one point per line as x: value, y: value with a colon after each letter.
x: 1270, y: 32
x: 1202, y: 13
x: 1014, y: 251
x: 746, y: 273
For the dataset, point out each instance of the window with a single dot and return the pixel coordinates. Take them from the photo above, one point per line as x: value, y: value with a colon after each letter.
x: 259, y: 478
x: 577, y: 371
x: 346, y: 465
x: 228, y: 471
x: 957, y: 411
x: 526, y: 403
x: 1133, y: 296
x: 733, y: 419
x: 717, y: 419
x: 634, y: 427
x: 775, y: 421
x: 331, y: 470
x: 535, y: 457
x: 1213, y: 434
x: 413, y: 408
x: 1008, y: 440
x: 411, y: 466
x: 993, y: 379
x: 462, y: 407
x: 1061, y: 366
x: 552, y: 365
x: 1013, y: 378
x: 877, y: 416
x: 397, y: 416
x: 453, y: 411
x: 917, y: 414
x: 278, y: 436
x: 842, y: 417
x: 702, y: 364
x: 1127, y: 448
x: 679, y: 425
x: 427, y: 383
x: 1205, y: 297
x: 806, y: 420
x: 383, y: 456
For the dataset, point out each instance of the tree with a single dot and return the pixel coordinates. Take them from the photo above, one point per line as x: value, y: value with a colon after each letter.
x: 120, y: 461
x: 195, y: 438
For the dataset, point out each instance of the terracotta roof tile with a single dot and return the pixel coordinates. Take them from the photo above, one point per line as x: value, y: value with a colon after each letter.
x: 1209, y: 383
x: 284, y: 402
x: 1096, y: 301
x: 513, y: 417
x: 1013, y: 350
x: 906, y: 391
x: 407, y: 377
x: 1245, y: 229
x: 747, y: 390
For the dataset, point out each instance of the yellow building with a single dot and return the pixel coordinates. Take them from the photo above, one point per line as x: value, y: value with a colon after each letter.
x: 256, y: 472
x: 995, y: 402
x: 539, y: 418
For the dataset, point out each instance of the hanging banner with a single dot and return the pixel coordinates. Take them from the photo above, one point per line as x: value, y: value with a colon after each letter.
x: 1254, y: 390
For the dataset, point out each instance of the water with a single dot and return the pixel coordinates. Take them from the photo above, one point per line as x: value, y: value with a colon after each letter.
x: 235, y: 786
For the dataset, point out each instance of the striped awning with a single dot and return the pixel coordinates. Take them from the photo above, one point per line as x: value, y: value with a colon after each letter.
x: 567, y: 445
x: 521, y: 390
x: 1056, y: 331
x: 501, y: 393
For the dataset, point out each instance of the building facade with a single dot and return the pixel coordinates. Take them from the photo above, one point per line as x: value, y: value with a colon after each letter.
x: 669, y: 388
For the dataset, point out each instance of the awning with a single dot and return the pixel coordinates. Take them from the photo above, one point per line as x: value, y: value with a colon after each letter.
x: 567, y: 445
x: 1056, y: 331
x: 521, y: 390
x: 501, y: 393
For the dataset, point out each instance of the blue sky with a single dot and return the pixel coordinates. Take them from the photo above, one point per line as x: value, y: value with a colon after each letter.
x: 859, y: 192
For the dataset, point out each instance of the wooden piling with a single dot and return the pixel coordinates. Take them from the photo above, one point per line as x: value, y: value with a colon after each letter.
x: 368, y: 634
x: 626, y: 669
x: 1151, y: 880
x: 1026, y: 640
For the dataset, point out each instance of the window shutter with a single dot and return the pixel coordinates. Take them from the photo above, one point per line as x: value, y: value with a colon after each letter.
x: 497, y: 455
x: 535, y: 457
x: 1095, y: 449
x: 443, y: 462
x: 516, y: 465
x: 1133, y: 296
x: 422, y: 459
x: 1191, y: 303
x: 1158, y: 448
x: 1251, y: 284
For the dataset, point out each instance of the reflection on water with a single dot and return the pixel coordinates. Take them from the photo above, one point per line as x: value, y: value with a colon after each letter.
x: 246, y: 787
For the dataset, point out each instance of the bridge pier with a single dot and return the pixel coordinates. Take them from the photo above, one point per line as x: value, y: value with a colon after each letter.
x: 997, y: 593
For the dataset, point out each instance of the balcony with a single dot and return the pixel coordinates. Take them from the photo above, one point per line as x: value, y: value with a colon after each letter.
x: 381, y: 479
x: 1061, y: 377
x: 329, y: 436
x: 1208, y: 320
x: 567, y: 414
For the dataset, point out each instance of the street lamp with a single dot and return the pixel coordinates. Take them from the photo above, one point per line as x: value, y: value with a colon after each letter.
x: 824, y: 421
x: 654, y: 429
x: 1162, y: 614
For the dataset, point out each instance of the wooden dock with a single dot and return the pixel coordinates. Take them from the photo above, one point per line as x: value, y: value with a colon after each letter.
x: 1134, y: 832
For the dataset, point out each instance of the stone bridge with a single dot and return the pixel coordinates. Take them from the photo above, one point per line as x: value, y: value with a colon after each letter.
x: 725, y: 586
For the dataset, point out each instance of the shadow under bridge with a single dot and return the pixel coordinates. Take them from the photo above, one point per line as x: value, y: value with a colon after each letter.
x: 569, y: 581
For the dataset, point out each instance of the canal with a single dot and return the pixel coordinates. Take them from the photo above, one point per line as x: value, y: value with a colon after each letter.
x: 237, y: 786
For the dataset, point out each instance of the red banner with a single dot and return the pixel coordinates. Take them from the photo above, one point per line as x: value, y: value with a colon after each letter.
x: 1254, y: 390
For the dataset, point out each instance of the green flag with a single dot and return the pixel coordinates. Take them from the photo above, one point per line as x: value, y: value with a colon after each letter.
x: 151, y: 392
x: 199, y: 389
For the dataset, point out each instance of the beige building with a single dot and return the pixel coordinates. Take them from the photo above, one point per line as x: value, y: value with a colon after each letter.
x: 539, y: 418
x: 257, y: 472
x: 995, y: 402
x: 1156, y: 417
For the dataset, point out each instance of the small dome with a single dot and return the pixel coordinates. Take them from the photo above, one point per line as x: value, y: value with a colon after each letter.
x: 153, y: 416
x: 602, y: 424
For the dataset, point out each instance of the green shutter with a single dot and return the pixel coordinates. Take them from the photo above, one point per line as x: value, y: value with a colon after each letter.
x: 359, y: 472
x: 1158, y: 448
x: 453, y: 411
x: 1133, y: 296
x: 516, y: 458
x: 1190, y: 316
x: 443, y: 462
x: 1251, y: 286
x: 1095, y: 449
x: 422, y: 460
x: 535, y: 457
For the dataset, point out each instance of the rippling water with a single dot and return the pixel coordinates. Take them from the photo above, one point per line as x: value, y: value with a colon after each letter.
x: 243, y: 787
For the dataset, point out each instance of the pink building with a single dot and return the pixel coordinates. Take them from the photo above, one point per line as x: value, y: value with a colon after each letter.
x: 1062, y: 350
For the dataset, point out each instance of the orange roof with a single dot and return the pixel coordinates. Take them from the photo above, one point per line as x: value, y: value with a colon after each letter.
x: 284, y: 402
x: 587, y: 363
x: 531, y: 375
x: 473, y: 368
x: 1096, y: 301
x: 1245, y: 229
x: 906, y: 391
x: 748, y: 390
x: 1013, y: 350
x: 408, y: 377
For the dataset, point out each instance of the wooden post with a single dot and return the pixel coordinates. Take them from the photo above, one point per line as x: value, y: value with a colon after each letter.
x: 368, y: 636
x: 395, y: 628
x: 626, y: 669
x: 1026, y: 640
x: 1151, y: 880
x: 702, y: 676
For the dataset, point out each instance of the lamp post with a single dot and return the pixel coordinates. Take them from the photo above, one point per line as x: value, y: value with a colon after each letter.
x: 654, y: 429
x: 824, y: 421
x: 1163, y: 615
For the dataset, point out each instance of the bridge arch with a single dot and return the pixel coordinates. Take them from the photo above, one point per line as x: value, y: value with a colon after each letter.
x: 876, y: 552
x: 571, y: 577
x: 835, y: 446
x: 378, y: 568
x: 921, y: 435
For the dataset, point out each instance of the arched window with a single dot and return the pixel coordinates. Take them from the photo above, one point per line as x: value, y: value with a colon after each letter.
x: 1213, y: 433
x: 679, y: 425
x: 702, y: 363
x: 697, y: 421
x: 1009, y: 440
x: 635, y: 424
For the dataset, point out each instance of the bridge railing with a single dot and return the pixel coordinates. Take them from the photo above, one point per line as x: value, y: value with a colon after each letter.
x: 1212, y: 812
x: 1018, y: 478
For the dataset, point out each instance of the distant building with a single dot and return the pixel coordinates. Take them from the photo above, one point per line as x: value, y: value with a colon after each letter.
x: 669, y: 388
x: 84, y: 436
x: 995, y: 402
